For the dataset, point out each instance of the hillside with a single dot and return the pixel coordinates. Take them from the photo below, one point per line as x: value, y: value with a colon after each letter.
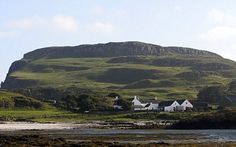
x: 11, y: 100
x: 128, y: 68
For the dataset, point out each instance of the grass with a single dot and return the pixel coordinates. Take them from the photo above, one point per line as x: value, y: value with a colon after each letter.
x: 56, y: 115
x: 7, y: 94
x: 98, y: 67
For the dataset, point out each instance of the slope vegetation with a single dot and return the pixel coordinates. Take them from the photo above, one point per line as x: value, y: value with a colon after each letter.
x: 12, y: 100
x: 128, y: 68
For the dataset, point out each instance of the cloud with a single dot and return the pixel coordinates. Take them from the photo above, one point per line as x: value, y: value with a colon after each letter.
x: 222, y: 29
x: 220, y: 36
x: 98, y: 10
x: 103, y: 27
x: 219, y: 33
x: 29, y: 23
x: 67, y: 23
x: 59, y: 22
x: 219, y: 16
x: 216, y: 15
x: 178, y: 8
x: 7, y: 34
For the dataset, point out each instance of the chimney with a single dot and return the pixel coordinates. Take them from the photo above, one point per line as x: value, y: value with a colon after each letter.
x: 136, y: 97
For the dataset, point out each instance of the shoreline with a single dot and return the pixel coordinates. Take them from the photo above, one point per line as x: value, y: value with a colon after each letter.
x: 27, y: 125
x: 52, y: 125
x: 37, y: 140
x: 98, y: 134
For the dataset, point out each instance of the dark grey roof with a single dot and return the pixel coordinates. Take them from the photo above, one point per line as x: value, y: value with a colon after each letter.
x: 181, y: 101
x: 165, y: 103
x: 147, y: 105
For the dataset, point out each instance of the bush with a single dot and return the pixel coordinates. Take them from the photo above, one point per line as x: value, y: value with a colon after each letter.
x: 27, y: 102
x: 86, y: 102
x: 126, y: 105
x: 214, y: 94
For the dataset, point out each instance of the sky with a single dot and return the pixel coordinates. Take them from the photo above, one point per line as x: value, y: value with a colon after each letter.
x: 26, y: 25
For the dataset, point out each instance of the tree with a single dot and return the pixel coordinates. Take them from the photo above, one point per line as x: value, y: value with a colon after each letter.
x: 70, y: 101
x: 126, y: 105
x: 86, y: 102
x: 104, y: 104
x: 213, y: 94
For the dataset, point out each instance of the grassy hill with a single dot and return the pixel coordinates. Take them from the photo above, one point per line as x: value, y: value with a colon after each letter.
x: 11, y: 100
x: 127, y: 68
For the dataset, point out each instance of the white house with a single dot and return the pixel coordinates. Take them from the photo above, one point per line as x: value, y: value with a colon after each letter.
x: 185, y: 104
x: 136, y: 101
x: 169, y: 106
x: 137, y: 105
x: 152, y: 106
x: 144, y: 105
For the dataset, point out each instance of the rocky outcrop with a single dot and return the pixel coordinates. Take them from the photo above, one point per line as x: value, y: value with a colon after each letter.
x: 17, y: 65
x: 113, y: 50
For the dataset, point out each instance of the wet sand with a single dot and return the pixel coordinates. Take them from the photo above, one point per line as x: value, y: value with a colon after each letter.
x: 13, y: 126
x: 94, y: 134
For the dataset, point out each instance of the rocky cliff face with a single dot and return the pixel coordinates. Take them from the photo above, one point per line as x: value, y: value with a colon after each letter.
x: 113, y: 50
x: 17, y: 65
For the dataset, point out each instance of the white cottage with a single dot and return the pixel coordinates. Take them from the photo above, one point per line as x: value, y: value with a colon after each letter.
x: 139, y: 105
x: 187, y: 105
x: 136, y: 101
x: 152, y: 106
x: 168, y: 106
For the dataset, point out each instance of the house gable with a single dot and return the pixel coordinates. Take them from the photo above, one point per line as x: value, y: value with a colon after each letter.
x: 136, y: 101
x: 169, y: 106
x: 144, y: 105
x: 185, y: 104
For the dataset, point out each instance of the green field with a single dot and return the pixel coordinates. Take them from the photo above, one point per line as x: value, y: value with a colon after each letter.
x: 56, y: 115
x: 49, y: 113
x: 97, y: 74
